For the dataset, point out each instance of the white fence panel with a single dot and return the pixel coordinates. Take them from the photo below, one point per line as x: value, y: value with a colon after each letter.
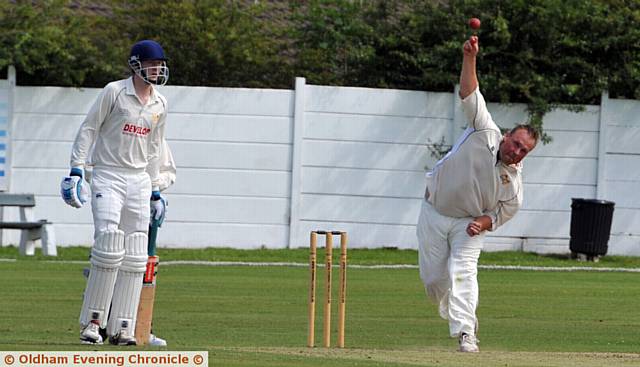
x: 54, y: 100
x: 360, y: 209
x: 622, y: 174
x: 560, y: 170
x: 229, y: 101
x: 364, y: 235
x: 346, y: 181
x: 367, y: 155
x: 624, y: 245
x: 363, y: 159
x: 509, y: 115
x: 379, y: 129
x: 241, y: 210
x: 232, y: 155
x: 624, y: 194
x: 232, y: 182
x: 229, y: 128
x: 247, y: 178
x: 567, y: 120
x: 542, y: 224
x: 232, y: 148
x: 40, y: 154
x: 235, y: 235
x: 553, y: 197
x: 623, y: 140
x: 36, y: 127
x: 385, y: 102
x: 623, y: 167
x: 623, y: 112
x: 626, y: 221
x: 577, y: 144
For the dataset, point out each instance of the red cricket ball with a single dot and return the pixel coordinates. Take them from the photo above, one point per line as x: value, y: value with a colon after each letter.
x: 474, y: 23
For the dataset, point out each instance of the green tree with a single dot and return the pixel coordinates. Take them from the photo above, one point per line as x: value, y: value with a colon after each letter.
x: 331, y: 41
x: 209, y: 42
x: 540, y: 52
x: 48, y: 43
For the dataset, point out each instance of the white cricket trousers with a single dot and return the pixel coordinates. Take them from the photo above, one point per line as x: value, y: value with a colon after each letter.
x: 120, y: 200
x: 120, y: 205
x: 448, y: 259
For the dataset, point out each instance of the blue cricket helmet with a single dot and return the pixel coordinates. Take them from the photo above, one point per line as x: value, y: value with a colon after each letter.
x: 147, y: 50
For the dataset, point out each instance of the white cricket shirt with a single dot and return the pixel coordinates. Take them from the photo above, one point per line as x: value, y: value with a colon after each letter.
x: 470, y: 181
x: 122, y: 132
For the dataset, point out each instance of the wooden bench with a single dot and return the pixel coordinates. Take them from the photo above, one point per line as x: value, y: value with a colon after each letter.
x: 31, y: 230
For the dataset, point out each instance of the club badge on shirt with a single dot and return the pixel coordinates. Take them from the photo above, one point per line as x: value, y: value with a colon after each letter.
x: 491, y: 148
x: 155, y: 117
x: 505, y: 179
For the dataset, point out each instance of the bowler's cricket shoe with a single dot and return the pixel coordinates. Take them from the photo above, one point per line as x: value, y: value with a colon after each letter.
x: 154, y: 341
x: 90, y: 334
x: 468, y: 343
x: 123, y: 338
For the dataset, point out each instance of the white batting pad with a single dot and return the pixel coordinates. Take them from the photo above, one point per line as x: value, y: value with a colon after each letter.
x: 126, y: 295
x: 106, y: 256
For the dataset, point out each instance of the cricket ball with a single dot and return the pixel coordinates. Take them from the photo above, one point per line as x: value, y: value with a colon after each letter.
x: 474, y: 23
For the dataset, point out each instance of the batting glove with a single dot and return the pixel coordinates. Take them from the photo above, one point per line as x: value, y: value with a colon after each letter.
x: 73, y: 190
x: 158, y: 207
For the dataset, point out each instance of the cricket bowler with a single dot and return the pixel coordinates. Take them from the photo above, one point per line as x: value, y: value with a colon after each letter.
x: 474, y: 188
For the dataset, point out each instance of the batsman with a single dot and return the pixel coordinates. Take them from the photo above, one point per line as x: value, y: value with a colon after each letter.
x: 121, y: 137
x: 473, y: 189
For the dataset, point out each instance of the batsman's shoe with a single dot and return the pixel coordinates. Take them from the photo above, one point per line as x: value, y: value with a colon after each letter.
x: 90, y: 334
x: 123, y: 338
x: 154, y: 341
x: 468, y: 343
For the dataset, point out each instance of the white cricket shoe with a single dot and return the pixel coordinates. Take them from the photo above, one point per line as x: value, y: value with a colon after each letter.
x: 468, y: 343
x: 154, y: 341
x: 123, y: 338
x: 90, y: 334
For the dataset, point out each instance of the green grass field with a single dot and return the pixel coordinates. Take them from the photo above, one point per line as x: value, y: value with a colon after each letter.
x: 257, y: 316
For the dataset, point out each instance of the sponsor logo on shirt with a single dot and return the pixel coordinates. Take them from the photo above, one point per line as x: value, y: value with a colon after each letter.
x: 131, y: 129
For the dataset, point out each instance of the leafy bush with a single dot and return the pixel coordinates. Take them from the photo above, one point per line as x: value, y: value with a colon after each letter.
x: 540, y: 52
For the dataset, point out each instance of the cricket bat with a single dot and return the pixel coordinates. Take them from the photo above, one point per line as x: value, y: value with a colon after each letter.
x: 148, y: 293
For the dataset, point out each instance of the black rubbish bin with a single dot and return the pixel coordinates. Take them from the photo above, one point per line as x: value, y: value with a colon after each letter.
x: 590, y: 226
